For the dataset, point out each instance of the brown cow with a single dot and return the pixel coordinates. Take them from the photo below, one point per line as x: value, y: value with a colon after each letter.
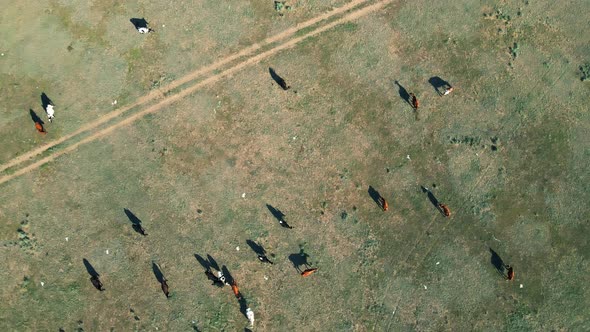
x: 236, y: 290
x: 384, y: 204
x: 165, y: 288
x: 444, y: 209
x: 40, y: 128
x: 510, y: 274
x: 414, y: 101
x: 308, y: 272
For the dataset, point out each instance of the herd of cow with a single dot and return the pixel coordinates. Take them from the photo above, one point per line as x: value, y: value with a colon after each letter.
x: 218, y: 277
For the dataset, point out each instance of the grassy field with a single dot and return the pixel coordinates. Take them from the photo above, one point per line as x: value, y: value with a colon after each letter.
x: 507, y: 151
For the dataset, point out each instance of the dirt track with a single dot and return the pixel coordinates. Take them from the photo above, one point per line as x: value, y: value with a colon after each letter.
x: 165, y: 100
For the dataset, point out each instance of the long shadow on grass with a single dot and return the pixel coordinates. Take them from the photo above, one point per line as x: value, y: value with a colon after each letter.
x: 497, y: 262
x: 90, y: 269
x: 431, y: 197
x: 258, y: 249
x: 135, y: 222
x: 280, y: 216
x: 438, y: 84
x: 376, y: 196
x: 403, y: 93
x: 139, y: 23
x: 35, y: 117
x: 45, y: 101
x: 158, y: 272
x: 299, y: 260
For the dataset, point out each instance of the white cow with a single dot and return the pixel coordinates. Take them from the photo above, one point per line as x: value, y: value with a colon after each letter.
x: 250, y: 315
x: 50, y: 112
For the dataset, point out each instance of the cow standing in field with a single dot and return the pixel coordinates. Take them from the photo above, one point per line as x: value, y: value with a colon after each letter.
x: 414, y: 101
x: 308, y: 272
x: 216, y: 281
x: 510, y: 273
x: 236, y: 290
x: 50, y: 112
x: 264, y: 259
x: 96, y: 283
x: 444, y: 209
x: 384, y: 204
x: 250, y: 316
x: 164, y: 285
x: 40, y: 128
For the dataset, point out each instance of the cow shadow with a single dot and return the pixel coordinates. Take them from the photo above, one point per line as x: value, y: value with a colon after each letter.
x: 431, y: 197
x: 439, y: 84
x: 243, y: 305
x: 376, y: 196
x: 158, y: 273
x: 278, y: 79
x: 403, y: 93
x: 213, y: 263
x: 135, y: 222
x: 45, y: 101
x: 35, y: 117
x: 280, y: 216
x: 204, y: 262
x: 139, y: 22
x: 90, y: 269
x: 228, y: 277
x: 299, y: 260
x: 258, y: 249
x: 497, y: 262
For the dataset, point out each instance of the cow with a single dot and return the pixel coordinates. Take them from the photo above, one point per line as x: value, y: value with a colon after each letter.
x: 444, y: 209
x: 414, y: 101
x: 264, y: 259
x: 40, y: 128
x: 510, y: 274
x: 448, y: 90
x: 308, y: 272
x: 384, y: 204
x: 212, y: 277
x: 50, y: 112
x: 96, y: 282
x: 236, y: 290
x: 250, y: 315
x: 164, y: 285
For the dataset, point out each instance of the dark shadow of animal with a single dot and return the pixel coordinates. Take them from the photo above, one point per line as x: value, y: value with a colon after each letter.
x: 228, y: 277
x: 247, y: 329
x: 376, y: 196
x: 213, y: 263
x: 438, y: 84
x: 258, y: 249
x: 280, y: 81
x: 497, y: 262
x: 403, y: 93
x: 204, y: 262
x: 35, y: 117
x: 299, y: 259
x: 139, y: 23
x: 432, y: 198
x: 45, y: 101
x: 280, y: 216
x: 90, y: 269
x: 158, y: 272
x: 135, y: 222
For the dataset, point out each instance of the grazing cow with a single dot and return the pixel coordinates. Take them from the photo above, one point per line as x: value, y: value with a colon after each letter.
x: 444, y: 209
x: 222, y: 278
x: 510, y: 274
x: 264, y: 259
x: 236, y: 290
x: 284, y: 224
x: 448, y: 90
x: 212, y: 277
x: 50, y: 112
x: 40, y: 128
x: 165, y: 288
x: 96, y: 283
x: 414, y: 101
x: 384, y: 204
x: 250, y: 315
x: 308, y: 272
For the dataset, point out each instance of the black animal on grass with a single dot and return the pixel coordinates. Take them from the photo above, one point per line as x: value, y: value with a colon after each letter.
x: 280, y: 81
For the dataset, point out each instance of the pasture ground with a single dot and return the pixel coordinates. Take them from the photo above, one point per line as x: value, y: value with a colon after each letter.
x: 507, y: 151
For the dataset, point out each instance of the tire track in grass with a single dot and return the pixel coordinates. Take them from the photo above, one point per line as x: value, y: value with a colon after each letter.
x: 189, y: 90
x: 161, y: 92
